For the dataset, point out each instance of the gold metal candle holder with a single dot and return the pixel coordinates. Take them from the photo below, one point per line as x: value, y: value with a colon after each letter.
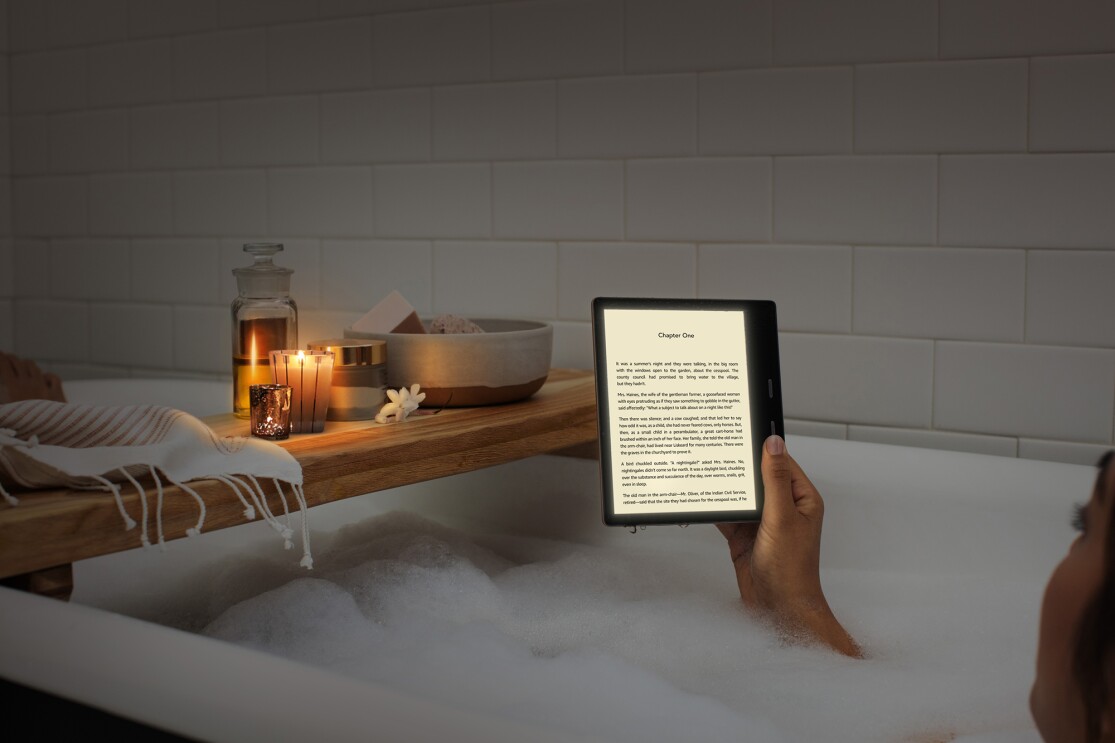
x: 270, y: 410
x: 310, y: 374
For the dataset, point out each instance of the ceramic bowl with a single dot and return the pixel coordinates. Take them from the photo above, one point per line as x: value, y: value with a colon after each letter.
x: 508, y: 361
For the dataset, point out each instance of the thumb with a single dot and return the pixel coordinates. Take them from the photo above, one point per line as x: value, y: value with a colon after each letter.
x: 777, y: 474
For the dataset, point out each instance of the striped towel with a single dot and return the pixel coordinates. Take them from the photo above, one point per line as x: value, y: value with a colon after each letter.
x: 45, y: 444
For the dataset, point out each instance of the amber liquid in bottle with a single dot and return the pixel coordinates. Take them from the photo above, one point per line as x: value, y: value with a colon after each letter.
x: 251, y: 364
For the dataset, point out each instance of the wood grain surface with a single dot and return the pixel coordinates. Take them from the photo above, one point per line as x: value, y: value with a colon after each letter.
x: 57, y: 527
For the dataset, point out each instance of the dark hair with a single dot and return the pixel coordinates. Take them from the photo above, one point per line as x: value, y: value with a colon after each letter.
x: 1094, y: 660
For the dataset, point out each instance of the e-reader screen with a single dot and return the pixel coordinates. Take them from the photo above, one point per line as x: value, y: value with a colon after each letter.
x: 687, y: 392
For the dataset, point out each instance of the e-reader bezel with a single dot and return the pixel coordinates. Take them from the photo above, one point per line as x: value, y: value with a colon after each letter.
x: 764, y: 387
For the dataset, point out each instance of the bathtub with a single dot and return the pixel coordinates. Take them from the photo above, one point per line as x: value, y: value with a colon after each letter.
x: 975, y: 536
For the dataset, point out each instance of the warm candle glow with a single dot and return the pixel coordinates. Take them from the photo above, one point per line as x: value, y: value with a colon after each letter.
x: 270, y: 411
x: 311, y: 380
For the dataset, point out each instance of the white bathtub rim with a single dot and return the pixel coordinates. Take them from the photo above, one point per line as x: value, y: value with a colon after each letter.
x: 199, y: 397
x: 210, y: 690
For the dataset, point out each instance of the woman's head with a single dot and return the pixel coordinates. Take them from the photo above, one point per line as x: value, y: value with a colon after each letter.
x: 1073, y: 698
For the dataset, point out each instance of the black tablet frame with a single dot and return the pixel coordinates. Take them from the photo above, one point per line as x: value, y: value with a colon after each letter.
x: 764, y: 385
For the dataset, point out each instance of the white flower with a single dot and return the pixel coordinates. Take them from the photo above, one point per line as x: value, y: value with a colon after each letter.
x: 403, y: 403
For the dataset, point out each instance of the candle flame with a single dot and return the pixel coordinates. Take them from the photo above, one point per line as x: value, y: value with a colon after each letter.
x: 301, y: 357
x: 253, y: 354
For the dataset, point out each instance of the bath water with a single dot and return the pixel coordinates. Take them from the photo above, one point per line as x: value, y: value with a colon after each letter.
x: 500, y: 592
x: 632, y: 641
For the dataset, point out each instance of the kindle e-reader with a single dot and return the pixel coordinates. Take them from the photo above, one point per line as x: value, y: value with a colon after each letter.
x: 687, y: 392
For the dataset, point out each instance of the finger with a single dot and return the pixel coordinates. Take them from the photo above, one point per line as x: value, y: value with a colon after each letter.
x: 807, y: 499
x: 31, y: 370
x: 741, y: 538
x: 54, y: 385
x: 7, y: 366
x: 777, y: 479
x: 737, y: 530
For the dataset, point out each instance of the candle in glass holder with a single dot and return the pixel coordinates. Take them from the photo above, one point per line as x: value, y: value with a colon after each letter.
x: 310, y: 376
x: 270, y: 410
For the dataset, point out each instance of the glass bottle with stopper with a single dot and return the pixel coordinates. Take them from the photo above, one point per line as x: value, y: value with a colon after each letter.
x: 264, y: 319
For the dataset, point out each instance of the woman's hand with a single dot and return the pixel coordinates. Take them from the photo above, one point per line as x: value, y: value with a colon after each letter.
x: 777, y: 561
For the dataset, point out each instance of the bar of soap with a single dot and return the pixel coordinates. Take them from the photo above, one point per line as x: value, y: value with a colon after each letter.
x: 446, y: 324
x: 393, y: 314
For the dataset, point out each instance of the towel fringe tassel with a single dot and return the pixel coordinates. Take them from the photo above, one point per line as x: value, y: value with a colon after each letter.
x: 11, y: 499
x: 249, y: 509
x: 196, y: 529
x: 129, y: 522
x: 158, y: 507
x: 143, y: 538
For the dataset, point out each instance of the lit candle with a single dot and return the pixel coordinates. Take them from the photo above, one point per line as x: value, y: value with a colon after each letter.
x: 270, y: 405
x: 250, y: 363
x: 310, y: 377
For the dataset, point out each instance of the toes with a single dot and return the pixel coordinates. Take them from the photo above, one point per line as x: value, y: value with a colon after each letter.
x: 7, y: 366
x: 29, y: 370
x: 54, y: 387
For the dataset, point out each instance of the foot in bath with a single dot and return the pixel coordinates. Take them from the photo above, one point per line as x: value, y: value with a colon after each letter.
x: 21, y: 379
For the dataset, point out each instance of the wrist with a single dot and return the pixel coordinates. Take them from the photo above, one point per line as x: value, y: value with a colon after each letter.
x: 811, y: 619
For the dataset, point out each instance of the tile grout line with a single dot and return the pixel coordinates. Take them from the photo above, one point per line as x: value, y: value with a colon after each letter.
x: 852, y: 295
x: 933, y: 385
x: 1025, y: 294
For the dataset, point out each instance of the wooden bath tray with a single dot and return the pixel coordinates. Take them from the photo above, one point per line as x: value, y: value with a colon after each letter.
x: 49, y: 530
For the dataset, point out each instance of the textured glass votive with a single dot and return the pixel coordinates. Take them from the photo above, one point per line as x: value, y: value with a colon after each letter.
x: 310, y: 375
x: 270, y: 410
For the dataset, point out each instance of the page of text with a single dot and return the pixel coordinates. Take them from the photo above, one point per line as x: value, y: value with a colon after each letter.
x: 680, y: 424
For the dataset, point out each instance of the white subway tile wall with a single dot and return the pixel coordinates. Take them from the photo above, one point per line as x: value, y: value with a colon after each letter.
x: 782, y: 111
x: 130, y: 204
x: 855, y: 199
x: 167, y: 17
x: 90, y: 269
x: 570, y: 200
x: 825, y: 32
x: 131, y: 335
x: 270, y: 131
x: 197, y: 347
x: 886, y: 381
x: 358, y: 273
x: 433, y: 200
x: 647, y: 115
x: 1038, y: 391
x: 939, y: 293
x: 924, y: 187
x: 999, y: 446
x: 461, y: 268
x: 7, y: 269
x: 1081, y: 316
x: 382, y: 126
x: 336, y: 55
x: 817, y: 429
x: 194, y: 128
x: 31, y: 268
x: 131, y: 73
x: 811, y: 285
x: 179, y: 271
x: 1073, y: 103
x: 502, y: 121
x: 557, y: 39
x: 941, y: 107
x: 699, y: 198
x: 1031, y: 201
x: 88, y: 142
x: 334, y: 202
